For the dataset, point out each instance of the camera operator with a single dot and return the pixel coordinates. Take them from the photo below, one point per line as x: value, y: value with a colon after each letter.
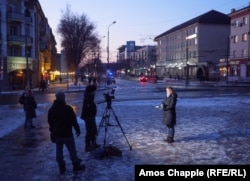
x: 88, y: 114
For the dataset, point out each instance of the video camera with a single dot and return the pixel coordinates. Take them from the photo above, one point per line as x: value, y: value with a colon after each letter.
x: 108, y: 96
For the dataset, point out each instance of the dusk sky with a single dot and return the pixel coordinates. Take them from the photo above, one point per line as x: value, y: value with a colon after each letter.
x: 136, y: 20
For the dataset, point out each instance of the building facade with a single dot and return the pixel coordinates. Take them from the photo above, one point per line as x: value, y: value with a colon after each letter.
x: 237, y: 66
x: 27, y: 44
x: 194, y: 48
x: 137, y: 60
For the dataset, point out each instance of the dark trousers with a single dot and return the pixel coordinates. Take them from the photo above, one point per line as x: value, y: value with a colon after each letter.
x: 171, y: 131
x: 91, y: 131
x: 69, y: 142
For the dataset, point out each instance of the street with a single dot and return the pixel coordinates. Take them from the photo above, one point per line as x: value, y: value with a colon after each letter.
x: 210, y: 130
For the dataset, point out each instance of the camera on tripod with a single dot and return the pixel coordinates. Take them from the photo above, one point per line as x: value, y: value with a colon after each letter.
x: 105, y: 122
x: 108, y: 96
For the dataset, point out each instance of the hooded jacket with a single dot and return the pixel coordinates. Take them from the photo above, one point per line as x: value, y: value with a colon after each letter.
x: 62, y: 120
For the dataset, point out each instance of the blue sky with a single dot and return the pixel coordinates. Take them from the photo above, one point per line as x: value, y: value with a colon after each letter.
x: 137, y: 20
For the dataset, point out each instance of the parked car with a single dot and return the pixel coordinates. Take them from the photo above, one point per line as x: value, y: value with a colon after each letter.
x: 143, y: 78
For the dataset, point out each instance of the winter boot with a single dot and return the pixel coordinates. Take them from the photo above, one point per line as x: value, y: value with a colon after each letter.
x: 62, y: 169
x: 166, y: 139
x: 78, y: 167
x: 170, y: 140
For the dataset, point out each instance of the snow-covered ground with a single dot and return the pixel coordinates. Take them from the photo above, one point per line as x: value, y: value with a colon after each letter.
x: 211, y: 130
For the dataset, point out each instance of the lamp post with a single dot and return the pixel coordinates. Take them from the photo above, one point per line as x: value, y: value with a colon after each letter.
x: 228, y: 51
x: 26, y: 55
x: 108, y: 82
x: 187, y: 54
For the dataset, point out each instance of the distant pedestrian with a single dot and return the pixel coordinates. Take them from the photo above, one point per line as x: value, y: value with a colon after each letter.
x: 29, y: 106
x: 202, y: 79
x: 42, y: 85
x: 169, y: 115
x: 88, y: 115
x: 62, y: 119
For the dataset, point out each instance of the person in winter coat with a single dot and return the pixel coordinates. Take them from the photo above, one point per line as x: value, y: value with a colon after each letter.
x: 62, y: 119
x: 88, y: 114
x: 29, y: 106
x: 169, y: 115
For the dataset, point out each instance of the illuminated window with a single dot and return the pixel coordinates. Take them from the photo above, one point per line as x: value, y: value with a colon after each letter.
x: 235, y: 39
x: 244, y: 37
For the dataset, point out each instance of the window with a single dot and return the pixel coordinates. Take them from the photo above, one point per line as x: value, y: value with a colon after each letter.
x: 234, y: 53
x: 14, y: 51
x: 244, y: 37
x: 244, y: 20
x: 235, y: 39
x: 244, y: 53
x: 13, y: 30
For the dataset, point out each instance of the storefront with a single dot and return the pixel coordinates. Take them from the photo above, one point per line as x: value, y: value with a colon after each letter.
x: 235, y: 70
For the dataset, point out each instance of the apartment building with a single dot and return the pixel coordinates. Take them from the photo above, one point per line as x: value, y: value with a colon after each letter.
x: 28, y: 49
x: 137, y: 60
x: 237, y: 66
x: 194, y: 48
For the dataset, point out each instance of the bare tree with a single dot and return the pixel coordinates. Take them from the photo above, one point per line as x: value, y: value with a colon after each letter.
x: 78, y: 37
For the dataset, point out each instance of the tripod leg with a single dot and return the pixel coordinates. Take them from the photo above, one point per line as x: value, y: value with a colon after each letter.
x: 119, y: 124
x: 104, y: 123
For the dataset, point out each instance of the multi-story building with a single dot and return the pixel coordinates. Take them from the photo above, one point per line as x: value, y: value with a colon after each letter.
x: 193, y: 49
x: 137, y: 60
x: 27, y: 44
x: 237, y: 66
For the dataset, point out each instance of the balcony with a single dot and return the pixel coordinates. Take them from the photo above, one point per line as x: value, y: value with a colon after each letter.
x: 19, y: 40
x: 17, y: 17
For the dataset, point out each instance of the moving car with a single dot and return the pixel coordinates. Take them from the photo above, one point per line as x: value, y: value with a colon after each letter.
x: 152, y: 78
x: 143, y: 78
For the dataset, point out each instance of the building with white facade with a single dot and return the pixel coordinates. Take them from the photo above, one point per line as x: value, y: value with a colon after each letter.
x: 194, y: 48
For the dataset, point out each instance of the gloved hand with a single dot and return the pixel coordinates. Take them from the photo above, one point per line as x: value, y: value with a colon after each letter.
x: 52, y: 138
x: 78, y: 133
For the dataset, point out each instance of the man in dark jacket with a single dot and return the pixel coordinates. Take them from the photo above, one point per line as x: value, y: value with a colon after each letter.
x: 62, y: 119
x: 88, y: 115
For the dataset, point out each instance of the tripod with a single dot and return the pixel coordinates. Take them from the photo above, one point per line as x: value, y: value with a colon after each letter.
x: 105, y: 122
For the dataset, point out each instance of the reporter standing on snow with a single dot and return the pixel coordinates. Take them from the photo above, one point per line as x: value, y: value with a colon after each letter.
x: 62, y: 119
x: 169, y: 115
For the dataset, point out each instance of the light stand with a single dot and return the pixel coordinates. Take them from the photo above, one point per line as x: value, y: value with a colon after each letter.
x: 108, y: 81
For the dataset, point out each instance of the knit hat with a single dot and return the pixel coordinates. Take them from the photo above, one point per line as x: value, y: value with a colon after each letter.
x: 60, y: 96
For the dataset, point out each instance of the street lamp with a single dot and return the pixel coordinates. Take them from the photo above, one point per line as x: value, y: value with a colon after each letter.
x: 187, y: 63
x: 26, y: 55
x: 108, y: 82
